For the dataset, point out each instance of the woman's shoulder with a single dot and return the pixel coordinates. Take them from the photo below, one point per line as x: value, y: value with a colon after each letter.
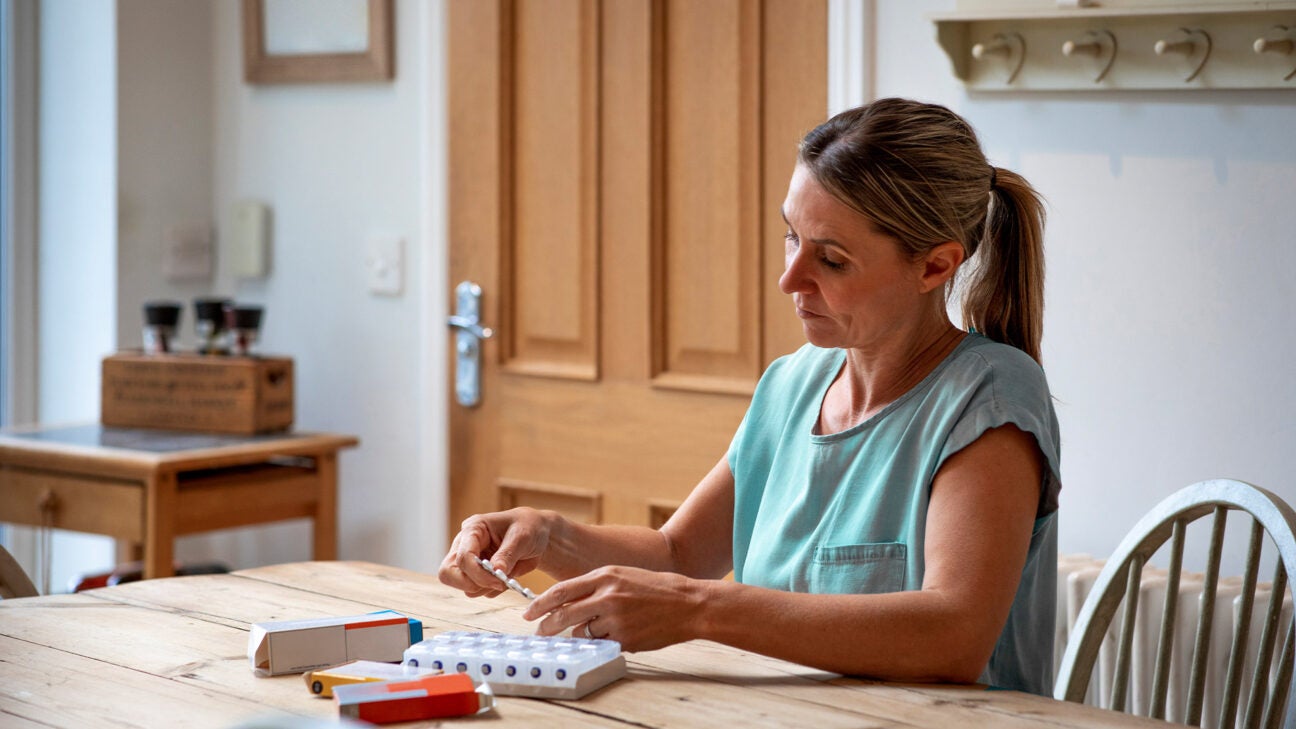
x: 997, y: 354
x: 1003, y: 366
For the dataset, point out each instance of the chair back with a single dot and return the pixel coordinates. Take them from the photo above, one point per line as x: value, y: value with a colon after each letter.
x: 13, y: 580
x: 1267, y: 701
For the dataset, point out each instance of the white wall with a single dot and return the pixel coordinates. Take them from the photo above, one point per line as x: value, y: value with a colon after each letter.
x: 337, y: 163
x: 164, y: 149
x: 76, y: 263
x: 147, y: 123
x: 1171, y: 288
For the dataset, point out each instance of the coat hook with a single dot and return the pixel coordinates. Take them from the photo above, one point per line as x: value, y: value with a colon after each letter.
x: 1010, y: 46
x: 1187, y: 45
x: 1097, y: 44
x: 1281, y: 40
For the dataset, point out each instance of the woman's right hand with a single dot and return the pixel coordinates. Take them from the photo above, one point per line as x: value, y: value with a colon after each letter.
x: 513, y: 541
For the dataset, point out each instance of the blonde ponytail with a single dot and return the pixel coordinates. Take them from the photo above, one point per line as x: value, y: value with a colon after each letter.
x: 1003, y: 292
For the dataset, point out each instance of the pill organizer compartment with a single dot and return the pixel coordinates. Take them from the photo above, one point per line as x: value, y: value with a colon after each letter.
x: 553, y: 667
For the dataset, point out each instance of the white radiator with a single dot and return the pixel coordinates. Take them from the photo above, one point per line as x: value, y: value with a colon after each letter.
x: 1076, y: 576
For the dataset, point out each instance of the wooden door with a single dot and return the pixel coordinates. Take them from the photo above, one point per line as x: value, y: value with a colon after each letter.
x: 616, y: 174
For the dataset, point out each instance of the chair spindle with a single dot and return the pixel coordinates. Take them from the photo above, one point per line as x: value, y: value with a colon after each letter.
x: 1160, y: 679
x: 1206, y: 618
x: 1275, y: 713
x: 1260, y: 683
x: 1242, y: 631
x: 1120, y: 683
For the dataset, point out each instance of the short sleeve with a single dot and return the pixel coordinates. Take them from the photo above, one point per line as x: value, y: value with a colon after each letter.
x: 1012, y: 390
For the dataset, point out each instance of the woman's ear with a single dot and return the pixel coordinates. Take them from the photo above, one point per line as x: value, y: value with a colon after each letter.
x: 939, y: 265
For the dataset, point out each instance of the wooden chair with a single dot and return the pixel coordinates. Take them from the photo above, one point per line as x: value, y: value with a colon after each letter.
x: 1122, y: 575
x: 13, y: 580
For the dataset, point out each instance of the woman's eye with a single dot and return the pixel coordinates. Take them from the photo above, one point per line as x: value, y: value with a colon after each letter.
x: 794, y: 243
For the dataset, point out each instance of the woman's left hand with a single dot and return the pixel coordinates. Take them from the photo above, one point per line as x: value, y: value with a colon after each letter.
x: 640, y: 609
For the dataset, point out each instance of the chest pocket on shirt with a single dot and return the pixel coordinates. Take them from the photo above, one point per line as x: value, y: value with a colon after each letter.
x: 858, y: 568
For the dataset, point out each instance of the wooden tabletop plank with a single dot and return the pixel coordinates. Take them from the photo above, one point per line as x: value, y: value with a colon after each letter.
x: 210, y: 655
x: 10, y: 720
x: 55, y: 688
x: 923, y: 704
x: 402, y: 590
x: 235, y: 600
x: 661, y: 698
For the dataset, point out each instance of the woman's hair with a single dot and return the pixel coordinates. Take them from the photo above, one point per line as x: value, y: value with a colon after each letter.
x: 918, y: 173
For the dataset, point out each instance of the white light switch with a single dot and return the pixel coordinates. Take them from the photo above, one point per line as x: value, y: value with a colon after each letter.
x: 249, y: 240
x: 385, y: 264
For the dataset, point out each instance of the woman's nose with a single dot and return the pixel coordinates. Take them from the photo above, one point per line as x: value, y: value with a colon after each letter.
x: 794, y: 279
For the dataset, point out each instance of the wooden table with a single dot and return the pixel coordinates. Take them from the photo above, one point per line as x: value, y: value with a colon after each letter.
x: 174, y: 653
x: 147, y: 487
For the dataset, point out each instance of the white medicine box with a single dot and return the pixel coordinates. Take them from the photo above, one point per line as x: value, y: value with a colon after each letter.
x: 296, y: 646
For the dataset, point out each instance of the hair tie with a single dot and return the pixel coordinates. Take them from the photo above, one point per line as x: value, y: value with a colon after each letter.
x: 993, y: 177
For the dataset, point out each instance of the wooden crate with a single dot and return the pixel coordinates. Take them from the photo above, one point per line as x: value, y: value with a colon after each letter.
x: 242, y: 395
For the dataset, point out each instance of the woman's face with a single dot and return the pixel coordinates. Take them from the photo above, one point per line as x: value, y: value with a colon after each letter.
x: 852, y: 286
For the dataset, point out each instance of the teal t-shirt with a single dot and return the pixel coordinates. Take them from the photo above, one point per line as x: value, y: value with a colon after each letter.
x: 846, y: 512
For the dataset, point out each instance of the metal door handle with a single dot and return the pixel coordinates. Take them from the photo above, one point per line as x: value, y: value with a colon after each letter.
x: 471, y: 326
x: 468, y: 335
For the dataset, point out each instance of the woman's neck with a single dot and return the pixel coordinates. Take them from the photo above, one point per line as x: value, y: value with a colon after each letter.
x: 871, y: 380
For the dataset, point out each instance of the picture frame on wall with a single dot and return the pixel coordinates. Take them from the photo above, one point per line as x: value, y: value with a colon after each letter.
x: 318, y: 41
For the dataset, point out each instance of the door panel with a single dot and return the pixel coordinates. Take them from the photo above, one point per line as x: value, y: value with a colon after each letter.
x: 550, y: 270
x: 707, y: 287
x: 616, y: 172
x: 582, y: 505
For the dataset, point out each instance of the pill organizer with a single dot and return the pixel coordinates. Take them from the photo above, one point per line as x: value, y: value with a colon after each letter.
x: 553, y: 667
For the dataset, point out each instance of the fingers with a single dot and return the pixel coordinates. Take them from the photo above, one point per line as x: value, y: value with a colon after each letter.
x: 639, y: 609
x: 550, y: 600
x: 590, y: 631
x: 574, y: 605
x: 579, y: 621
x: 513, y: 541
x: 460, y: 568
x: 568, y: 604
x: 511, y: 550
x: 469, y: 577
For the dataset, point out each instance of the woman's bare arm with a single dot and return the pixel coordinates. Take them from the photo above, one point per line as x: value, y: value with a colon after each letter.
x: 696, y: 541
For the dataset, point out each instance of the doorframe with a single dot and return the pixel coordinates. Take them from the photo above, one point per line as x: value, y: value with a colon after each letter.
x: 18, y: 373
x: 18, y: 110
x: 851, y: 50
x: 434, y: 401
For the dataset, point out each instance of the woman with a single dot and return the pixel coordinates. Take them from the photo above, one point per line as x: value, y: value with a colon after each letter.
x: 888, y: 506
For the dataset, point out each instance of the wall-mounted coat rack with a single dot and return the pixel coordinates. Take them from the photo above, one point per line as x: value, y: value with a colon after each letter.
x: 1077, y: 45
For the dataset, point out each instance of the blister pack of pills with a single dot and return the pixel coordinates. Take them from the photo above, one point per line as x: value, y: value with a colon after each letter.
x: 554, y: 667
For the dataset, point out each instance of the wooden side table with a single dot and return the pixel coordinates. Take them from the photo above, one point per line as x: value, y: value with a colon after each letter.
x: 147, y: 487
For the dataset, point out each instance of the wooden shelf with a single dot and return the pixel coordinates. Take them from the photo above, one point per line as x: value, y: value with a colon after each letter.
x: 1021, y: 47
